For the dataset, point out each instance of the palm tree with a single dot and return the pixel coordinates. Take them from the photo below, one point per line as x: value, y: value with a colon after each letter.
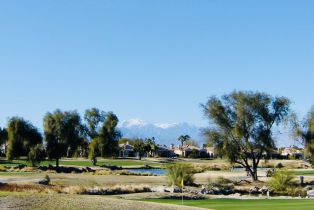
x: 182, y: 139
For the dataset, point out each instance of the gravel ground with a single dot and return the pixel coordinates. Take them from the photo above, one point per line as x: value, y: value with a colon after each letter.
x: 59, y: 201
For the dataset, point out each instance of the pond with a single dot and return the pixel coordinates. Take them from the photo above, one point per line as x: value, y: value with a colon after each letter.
x: 155, y: 171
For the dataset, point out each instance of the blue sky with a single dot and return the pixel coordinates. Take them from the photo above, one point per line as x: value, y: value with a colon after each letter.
x: 154, y: 60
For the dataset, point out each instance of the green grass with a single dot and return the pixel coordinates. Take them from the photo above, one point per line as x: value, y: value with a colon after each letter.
x: 237, y: 204
x: 116, y: 162
x: 303, y: 173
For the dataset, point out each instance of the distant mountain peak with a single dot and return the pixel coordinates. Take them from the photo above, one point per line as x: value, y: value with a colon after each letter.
x: 164, y: 133
x: 133, y: 122
x: 165, y: 125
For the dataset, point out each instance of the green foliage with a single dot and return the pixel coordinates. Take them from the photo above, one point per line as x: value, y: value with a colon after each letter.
x: 179, y: 171
x: 109, y: 136
x: 221, y: 182
x: 63, y: 133
x: 183, y: 139
x: 94, y: 117
x: 192, y: 143
x: 305, y: 132
x: 36, y: 155
x: 242, y: 125
x: 3, y: 139
x: 125, y: 140
x: 94, y: 148
x: 281, y: 181
x: 3, y: 135
x: 140, y: 147
x: 194, y: 153
x: 150, y: 146
x: 22, y: 136
x: 102, y: 132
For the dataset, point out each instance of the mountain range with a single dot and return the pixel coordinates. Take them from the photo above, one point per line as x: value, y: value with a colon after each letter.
x: 164, y: 133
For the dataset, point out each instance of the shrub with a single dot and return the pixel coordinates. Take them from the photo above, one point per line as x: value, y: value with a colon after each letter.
x: 36, y: 155
x: 221, y: 182
x: 194, y: 154
x: 3, y: 169
x: 279, y: 165
x: 281, y: 181
x: 178, y: 172
x: 47, y: 178
x: 296, y: 191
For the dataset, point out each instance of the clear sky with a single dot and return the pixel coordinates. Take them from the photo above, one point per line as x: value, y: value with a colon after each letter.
x: 153, y: 60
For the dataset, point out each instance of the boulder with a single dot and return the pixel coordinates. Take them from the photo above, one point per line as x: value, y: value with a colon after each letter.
x: 159, y: 189
x: 44, y: 182
x: 174, y: 189
x: 264, y: 189
x: 310, y: 193
x: 254, y: 190
x: 204, y: 191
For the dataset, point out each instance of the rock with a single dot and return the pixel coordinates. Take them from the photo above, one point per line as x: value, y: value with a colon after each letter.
x: 44, y: 182
x: 264, y: 189
x: 89, y: 169
x: 215, y: 190
x: 309, y: 187
x: 204, y: 191
x: 310, y: 193
x: 174, y: 189
x: 227, y: 191
x: 158, y: 189
x: 254, y: 190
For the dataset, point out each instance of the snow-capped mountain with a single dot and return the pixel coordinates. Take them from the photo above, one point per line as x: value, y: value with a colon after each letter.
x: 164, y: 133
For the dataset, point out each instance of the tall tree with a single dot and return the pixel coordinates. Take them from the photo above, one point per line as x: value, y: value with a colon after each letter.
x: 22, y: 137
x: 140, y: 147
x: 3, y: 138
x: 94, y: 117
x: 242, y: 124
x: 151, y: 146
x: 305, y: 132
x: 192, y: 142
x: 63, y: 132
x: 182, y: 139
x: 109, y: 135
x: 94, y: 147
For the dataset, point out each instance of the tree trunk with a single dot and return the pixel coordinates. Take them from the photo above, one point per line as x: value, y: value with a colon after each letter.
x: 94, y: 161
x: 57, y: 163
x: 254, y: 174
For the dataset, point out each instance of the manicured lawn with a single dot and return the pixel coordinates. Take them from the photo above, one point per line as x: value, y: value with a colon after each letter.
x: 303, y: 173
x: 237, y: 204
x: 73, y: 162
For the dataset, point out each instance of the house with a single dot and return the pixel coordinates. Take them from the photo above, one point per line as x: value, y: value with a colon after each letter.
x: 186, y: 149
x: 164, y: 151
x: 207, y: 152
x: 292, y: 152
x: 126, y: 150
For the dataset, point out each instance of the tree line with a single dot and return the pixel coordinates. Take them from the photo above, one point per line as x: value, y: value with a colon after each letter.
x: 65, y: 133
x: 241, y: 126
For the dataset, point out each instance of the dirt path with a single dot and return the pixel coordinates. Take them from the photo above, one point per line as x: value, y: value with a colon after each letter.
x: 47, y: 202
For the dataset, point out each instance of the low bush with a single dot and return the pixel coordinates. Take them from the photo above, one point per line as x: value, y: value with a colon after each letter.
x: 106, y: 190
x: 282, y: 182
x: 3, y: 169
x: 279, y: 165
x: 221, y: 182
x: 180, y: 171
